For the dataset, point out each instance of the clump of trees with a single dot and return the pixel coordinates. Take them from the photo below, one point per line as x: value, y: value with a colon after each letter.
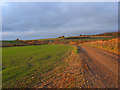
x: 17, y: 39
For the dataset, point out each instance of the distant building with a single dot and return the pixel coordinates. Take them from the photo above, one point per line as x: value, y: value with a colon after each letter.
x: 61, y: 37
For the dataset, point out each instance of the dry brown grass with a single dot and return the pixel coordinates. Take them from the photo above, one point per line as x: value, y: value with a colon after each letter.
x: 109, y: 45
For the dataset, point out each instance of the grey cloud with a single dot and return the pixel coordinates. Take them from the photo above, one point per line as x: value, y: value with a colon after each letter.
x: 50, y: 19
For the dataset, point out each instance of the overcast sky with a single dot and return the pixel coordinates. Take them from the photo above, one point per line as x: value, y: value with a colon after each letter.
x: 36, y: 20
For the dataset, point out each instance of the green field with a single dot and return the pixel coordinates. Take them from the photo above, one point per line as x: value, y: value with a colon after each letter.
x: 10, y: 42
x: 21, y: 64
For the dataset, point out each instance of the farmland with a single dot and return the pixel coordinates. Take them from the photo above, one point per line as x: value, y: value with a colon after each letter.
x: 59, y: 45
x: 22, y: 64
x: 66, y: 40
x: 71, y: 62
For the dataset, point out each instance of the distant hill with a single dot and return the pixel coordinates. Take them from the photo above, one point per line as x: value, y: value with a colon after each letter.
x: 102, y: 35
x: 114, y: 34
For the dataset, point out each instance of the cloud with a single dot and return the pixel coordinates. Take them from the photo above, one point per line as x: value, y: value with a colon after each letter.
x: 34, y: 20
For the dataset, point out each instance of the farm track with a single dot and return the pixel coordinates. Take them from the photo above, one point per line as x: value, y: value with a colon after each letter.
x: 90, y: 68
x: 100, y: 67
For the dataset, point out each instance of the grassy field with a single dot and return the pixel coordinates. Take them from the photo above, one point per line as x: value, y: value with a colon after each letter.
x: 23, y: 66
x: 10, y: 42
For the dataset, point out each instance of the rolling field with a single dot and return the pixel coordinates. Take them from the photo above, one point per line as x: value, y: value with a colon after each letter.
x: 66, y: 40
x: 92, y: 38
x: 23, y: 66
x: 10, y: 42
x: 5, y: 43
x: 84, y: 65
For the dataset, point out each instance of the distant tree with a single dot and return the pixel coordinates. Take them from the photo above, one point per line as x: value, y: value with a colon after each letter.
x: 17, y: 39
x: 80, y: 35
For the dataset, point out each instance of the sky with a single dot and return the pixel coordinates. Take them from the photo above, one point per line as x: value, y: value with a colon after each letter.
x: 38, y: 20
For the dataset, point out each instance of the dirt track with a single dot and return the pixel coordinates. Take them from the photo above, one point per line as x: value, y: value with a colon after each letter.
x: 90, y: 68
x: 99, y: 65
